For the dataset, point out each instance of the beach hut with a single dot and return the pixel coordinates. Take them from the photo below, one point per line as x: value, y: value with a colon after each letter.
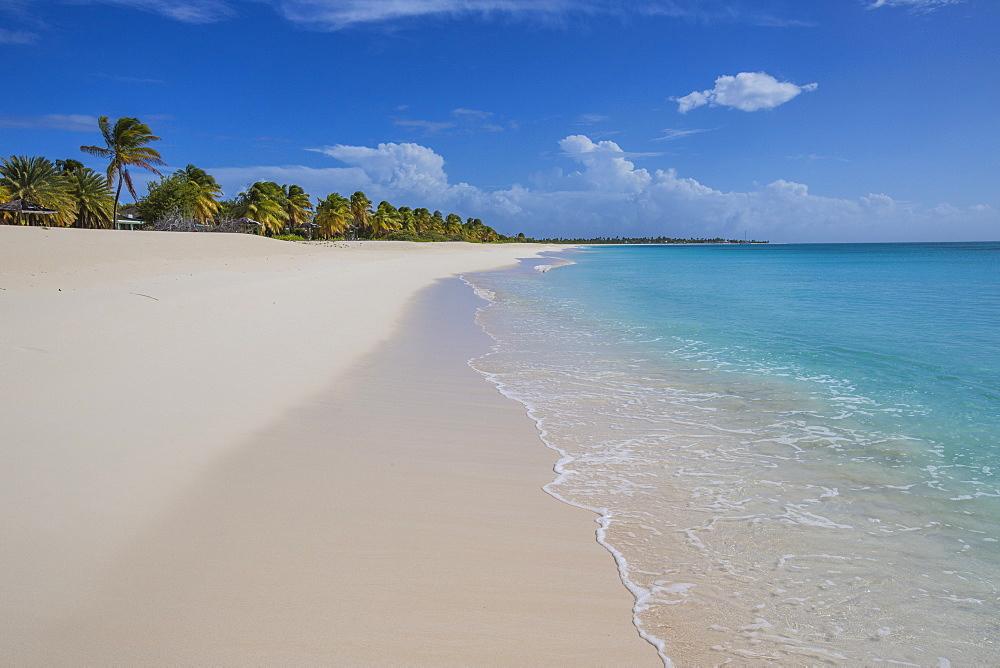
x: 245, y: 224
x: 130, y: 221
x: 23, y: 208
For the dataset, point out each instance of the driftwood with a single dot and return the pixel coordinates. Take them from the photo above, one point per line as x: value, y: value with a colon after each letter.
x: 176, y: 221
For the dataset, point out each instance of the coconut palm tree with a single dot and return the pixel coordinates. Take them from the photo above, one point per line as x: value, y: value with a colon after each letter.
x: 297, y: 205
x: 421, y: 220
x: 384, y: 220
x: 361, y: 212
x: 437, y: 223
x: 68, y: 165
x: 406, y: 221
x: 125, y: 146
x: 92, y: 194
x: 206, y: 204
x: 453, y: 224
x: 333, y: 215
x: 262, y: 201
x: 37, y: 180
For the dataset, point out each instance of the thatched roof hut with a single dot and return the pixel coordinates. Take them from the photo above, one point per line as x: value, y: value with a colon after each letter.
x: 22, y: 208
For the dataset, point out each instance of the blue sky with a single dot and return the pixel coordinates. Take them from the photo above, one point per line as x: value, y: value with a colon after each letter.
x: 826, y: 120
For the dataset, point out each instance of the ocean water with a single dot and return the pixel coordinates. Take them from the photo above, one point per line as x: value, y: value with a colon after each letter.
x: 794, y: 450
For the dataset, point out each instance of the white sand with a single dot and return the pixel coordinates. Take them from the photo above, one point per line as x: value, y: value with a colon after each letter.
x: 177, y: 487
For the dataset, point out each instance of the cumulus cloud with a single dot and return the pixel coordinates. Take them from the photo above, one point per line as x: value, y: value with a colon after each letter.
x: 747, y: 91
x: 73, y: 122
x: 605, y: 193
x: 408, y: 167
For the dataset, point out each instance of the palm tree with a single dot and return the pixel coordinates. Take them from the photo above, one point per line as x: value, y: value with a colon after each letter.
x: 125, y: 146
x: 453, y: 224
x: 421, y: 220
x: 92, y: 194
x: 333, y: 215
x: 473, y: 229
x: 385, y: 219
x: 297, y: 205
x: 437, y: 223
x: 361, y: 211
x: 406, y: 221
x: 38, y: 181
x: 262, y: 201
x: 68, y: 165
x: 206, y: 204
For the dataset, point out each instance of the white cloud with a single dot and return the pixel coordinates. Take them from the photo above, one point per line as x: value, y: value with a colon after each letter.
x: 429, y: 127
x: 411, y: 168
x: 463, y: 121
x: 669, y: 134
x: 334, y: 15
x: 73, y: 122
x: 591, y: 119
x: 747, y: 91
x: 17, y: 37
x: 918, y: 5
x: 337, y: 14
x: 188, y: 11
x: 606, y: 194
x: 812, y: 157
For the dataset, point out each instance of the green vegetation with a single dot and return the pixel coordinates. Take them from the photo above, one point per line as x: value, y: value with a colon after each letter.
x: 188, y: 200
x: 81, y: 196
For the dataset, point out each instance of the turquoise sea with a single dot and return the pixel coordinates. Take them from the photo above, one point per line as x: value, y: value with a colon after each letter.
x: 794, y: 450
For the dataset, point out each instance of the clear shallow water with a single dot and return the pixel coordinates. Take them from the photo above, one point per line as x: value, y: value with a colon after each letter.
x: 794, y: 449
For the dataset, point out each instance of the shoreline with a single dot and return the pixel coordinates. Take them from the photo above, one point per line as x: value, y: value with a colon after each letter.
x: 132, y: 524
x: 640, y: 595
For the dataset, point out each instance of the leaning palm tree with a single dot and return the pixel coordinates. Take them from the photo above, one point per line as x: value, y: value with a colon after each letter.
x: 421, y: 220
x: 437, y: 222
x: 92, y: 194
x: 297, y: 205
x: 385, y: 219
x: 68, y: 165
x: 333, y: 215
x: 125, y: 146
x: 361, y: 211
x: 453, y: 224
x: 206, y: 204
x: 262, y: 202
x: 38, y: 181
x: 406, y: 221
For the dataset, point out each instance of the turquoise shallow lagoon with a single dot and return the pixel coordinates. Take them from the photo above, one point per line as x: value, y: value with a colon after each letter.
x: 794, y: 448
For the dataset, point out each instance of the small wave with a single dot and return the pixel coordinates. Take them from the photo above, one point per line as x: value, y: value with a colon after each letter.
x: 543, y: 268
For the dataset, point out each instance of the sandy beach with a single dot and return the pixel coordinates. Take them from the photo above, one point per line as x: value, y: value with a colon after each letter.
x: 224, y: 449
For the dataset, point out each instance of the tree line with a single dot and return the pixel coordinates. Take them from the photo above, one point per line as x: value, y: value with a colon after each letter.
x: 83, y: 197
x: 648, y: 240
